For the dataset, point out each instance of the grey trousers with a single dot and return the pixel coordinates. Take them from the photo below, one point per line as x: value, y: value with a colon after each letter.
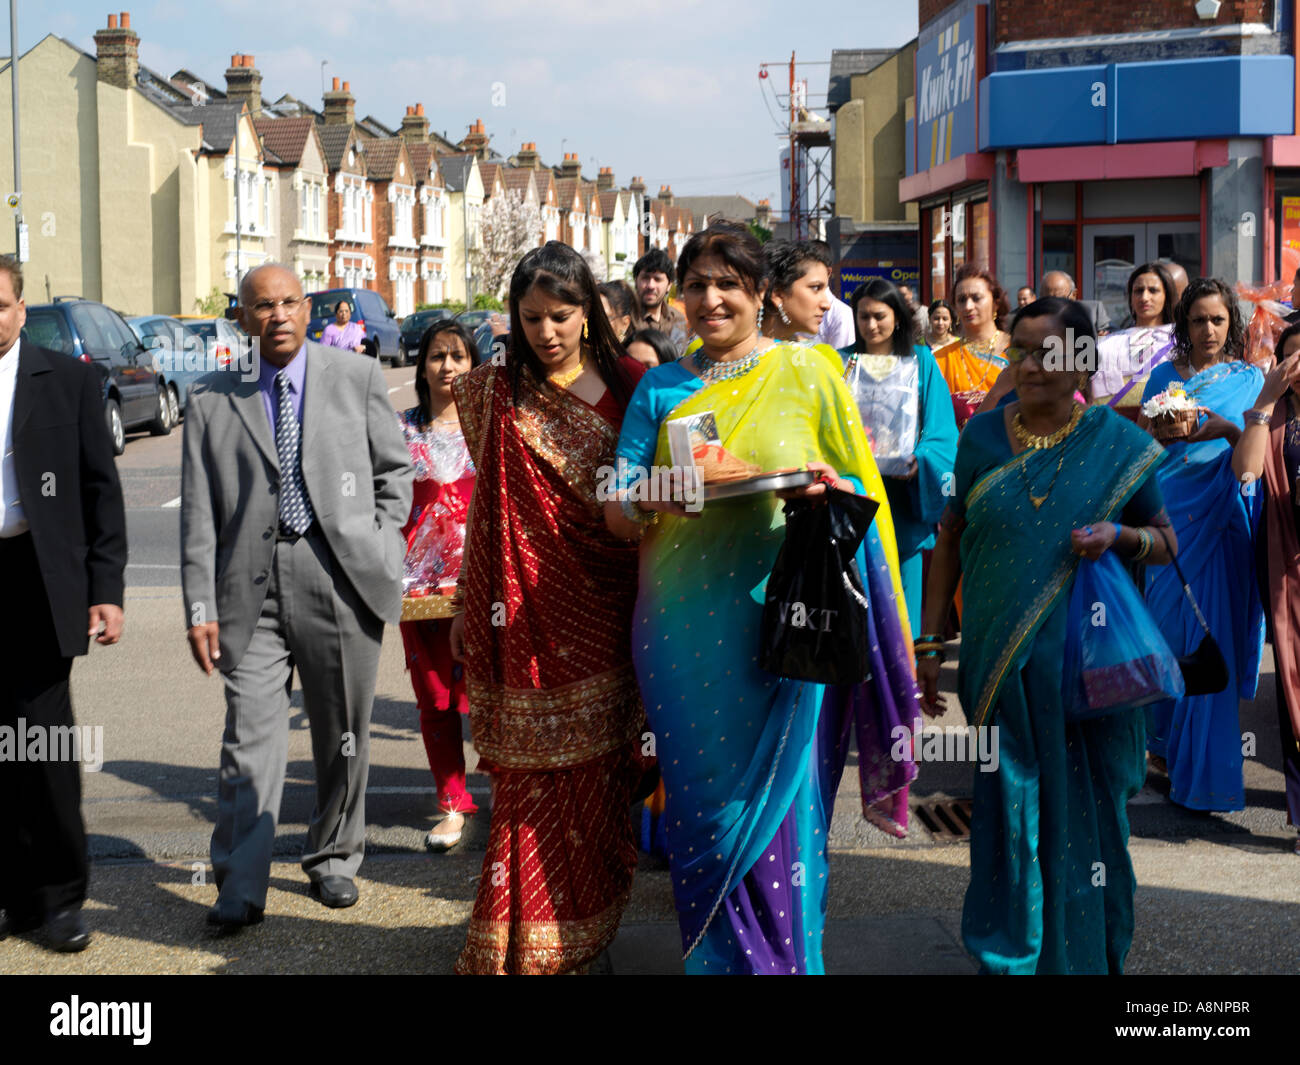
x: 317, y: 624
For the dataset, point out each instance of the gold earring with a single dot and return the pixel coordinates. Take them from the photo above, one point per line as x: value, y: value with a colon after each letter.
x: 584, y: 329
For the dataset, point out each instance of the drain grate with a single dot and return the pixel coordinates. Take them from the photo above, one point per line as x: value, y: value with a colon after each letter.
x: 947, y: 821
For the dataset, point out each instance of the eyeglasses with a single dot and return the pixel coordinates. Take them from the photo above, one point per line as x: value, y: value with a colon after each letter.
x: 265, y: 308
x: 1015, y: 355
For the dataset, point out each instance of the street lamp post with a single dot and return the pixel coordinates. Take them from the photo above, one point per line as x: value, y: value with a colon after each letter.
x: 20, y: 227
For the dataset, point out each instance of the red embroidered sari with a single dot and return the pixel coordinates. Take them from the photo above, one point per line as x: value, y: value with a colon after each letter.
x: 554, y: 703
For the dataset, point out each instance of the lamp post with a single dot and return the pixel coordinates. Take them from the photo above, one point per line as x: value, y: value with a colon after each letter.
x: 21, y: 251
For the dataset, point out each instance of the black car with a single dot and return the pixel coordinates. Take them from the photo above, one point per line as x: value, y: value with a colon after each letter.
x: 413, y: 327
x: 134, y: 394
x: 383, y: 337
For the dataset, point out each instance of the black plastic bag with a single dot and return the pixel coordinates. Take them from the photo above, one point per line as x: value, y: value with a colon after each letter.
x: 815, y: 611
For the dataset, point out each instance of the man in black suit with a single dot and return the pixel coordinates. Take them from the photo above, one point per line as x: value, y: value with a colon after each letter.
x: 62, y: 557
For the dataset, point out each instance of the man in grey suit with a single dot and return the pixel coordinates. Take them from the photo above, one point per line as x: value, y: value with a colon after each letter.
x: 295, y: 486
x: 1061, y: 285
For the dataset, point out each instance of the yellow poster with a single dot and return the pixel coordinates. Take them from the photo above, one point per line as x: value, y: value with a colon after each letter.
x: 1290, y: 237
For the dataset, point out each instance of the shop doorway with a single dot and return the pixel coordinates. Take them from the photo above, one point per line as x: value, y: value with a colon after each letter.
x: 1113, y: 249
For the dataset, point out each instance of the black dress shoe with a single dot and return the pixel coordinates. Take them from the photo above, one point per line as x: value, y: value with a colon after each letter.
x: 229, y: 917
x: 336, y: 892
x: 66, y: 931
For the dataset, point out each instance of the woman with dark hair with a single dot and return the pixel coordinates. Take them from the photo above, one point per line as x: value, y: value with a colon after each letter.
x: 435, y: 543
x: 1126, y: 358
x: 1199, y: 736
x: 1269, y: 450
x: 907, y: 411
x: 545, y: 633
x: 942, y: 321
x: 972, y: 367
x: 750, y: 761
x: 799, y: 289
x: 651, y: 348
x: 343, y: 332
x: 618, y: 300
x: 1039, y: 484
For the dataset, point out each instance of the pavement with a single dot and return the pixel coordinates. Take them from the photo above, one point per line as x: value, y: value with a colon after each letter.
x: 1218, y: 893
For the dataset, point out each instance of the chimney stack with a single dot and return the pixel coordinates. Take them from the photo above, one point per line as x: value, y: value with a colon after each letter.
x: 763, y: 215
x: 527, y: 157
x: 244, y: 82
x: 476, y: 140
x: 571, y: 167
x: 637, y: 186
x: 340, y: 107
x: 117, y: 52
x: 666, y: 194
x: 415, y: 127
x: 605, y: 179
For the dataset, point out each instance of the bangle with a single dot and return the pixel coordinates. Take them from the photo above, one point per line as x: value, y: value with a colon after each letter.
x: 458, y: 600
x: 635, y: 514
x: 1257, y: 417
x: 929, y: 637
x: 937, y: 652
x: 1145, y: 543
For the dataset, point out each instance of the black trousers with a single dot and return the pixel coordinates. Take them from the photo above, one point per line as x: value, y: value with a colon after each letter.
x: 43, y: 860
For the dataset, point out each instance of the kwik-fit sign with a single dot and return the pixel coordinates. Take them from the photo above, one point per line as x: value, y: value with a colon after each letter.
x: 946, y: 97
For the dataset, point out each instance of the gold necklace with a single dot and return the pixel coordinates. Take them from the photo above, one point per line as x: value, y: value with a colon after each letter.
x: 1038, y: 501
x: 1041, y: 443
x: 564, y: 380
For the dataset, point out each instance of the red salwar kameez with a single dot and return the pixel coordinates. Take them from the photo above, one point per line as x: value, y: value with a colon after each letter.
x: 554, y: 703
x: 444, y: 481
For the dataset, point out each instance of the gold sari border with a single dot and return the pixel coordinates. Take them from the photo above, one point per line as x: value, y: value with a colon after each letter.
x: 538, y: 948
x: 555, y: 728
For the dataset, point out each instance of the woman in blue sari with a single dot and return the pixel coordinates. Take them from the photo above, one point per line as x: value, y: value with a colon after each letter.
x: 1199, y: 737
x: 1040, y: 483
x: 750, y: 762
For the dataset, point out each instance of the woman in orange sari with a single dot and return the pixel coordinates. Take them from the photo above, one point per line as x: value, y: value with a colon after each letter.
x: 546, y: 630
x: 971, y: 366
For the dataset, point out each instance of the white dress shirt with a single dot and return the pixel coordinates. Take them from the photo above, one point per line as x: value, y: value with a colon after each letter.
x: 12, y: 520
x: 837, y: 325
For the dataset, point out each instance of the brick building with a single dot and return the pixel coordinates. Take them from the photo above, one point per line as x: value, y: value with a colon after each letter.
x: 1147, y: 132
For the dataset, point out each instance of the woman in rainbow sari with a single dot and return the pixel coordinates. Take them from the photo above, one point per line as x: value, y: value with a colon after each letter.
x: 971, y: 366
x: 1041, y: 482
x: 545, y: 629
x: 750, y: 761
x: 1199, y: 737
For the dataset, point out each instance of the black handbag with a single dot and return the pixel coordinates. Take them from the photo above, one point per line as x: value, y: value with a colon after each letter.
x: 1205, y: 671
x: 815, y: 609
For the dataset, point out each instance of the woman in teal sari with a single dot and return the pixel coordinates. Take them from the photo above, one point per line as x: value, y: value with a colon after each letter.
x: 1199, y: 737
x: 749, y: 760
x: 1040, y: 483
x: 907, y: 411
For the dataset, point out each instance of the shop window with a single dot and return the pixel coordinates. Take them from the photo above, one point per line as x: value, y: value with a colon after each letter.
x: 1059, y: 251
x: 937, y: 225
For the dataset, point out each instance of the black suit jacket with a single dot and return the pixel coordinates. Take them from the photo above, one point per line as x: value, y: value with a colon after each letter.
x: 67, y: 481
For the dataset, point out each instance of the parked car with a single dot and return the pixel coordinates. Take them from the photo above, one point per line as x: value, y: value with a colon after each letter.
x: 485, y: 340
x: 413, y: 327
x: 221, y: 338
x: 165, y: 337
x: 383, y: 336
x: 471, y: 320
x: 135, y: 395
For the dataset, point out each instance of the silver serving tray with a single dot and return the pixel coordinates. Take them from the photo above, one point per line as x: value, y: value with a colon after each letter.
x: 764, y: 482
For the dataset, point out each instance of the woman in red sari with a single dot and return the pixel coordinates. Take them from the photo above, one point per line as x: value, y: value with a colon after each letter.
x: 545, y: 633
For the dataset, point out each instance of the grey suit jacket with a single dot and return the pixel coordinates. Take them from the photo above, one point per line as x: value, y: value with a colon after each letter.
x: 358, y: 475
